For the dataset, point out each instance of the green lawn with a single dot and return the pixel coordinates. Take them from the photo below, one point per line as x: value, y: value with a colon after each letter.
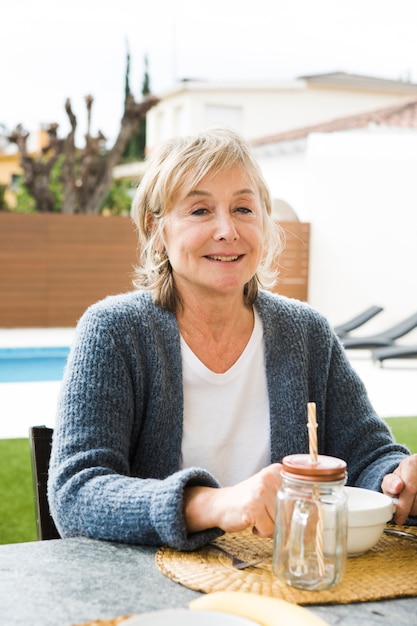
x: 404, y: 430
x: 17, y: 509
x: 17, y: 512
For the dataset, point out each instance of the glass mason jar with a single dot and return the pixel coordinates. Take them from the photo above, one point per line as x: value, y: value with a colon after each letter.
x: 310, y: 541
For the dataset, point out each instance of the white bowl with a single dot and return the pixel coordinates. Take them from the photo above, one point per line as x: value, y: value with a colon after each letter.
x: 368, y: 513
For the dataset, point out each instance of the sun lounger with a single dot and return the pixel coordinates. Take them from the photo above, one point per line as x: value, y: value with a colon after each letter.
x: 385, y: 338
x: 394, y: 352
x: 343, y: 329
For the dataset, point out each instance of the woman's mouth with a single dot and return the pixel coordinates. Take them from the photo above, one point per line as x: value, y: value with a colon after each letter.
x: 224, y: 259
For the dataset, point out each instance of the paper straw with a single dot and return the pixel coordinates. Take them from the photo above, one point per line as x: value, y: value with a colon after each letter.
x: 312, y: 431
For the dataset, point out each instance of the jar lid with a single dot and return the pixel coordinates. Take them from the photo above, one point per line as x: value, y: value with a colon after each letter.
x: 327, y: 468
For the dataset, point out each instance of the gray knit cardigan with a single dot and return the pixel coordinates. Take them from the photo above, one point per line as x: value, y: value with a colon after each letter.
x: 114, y: 472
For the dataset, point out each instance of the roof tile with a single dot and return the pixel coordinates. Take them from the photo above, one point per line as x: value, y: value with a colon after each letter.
x: 403, y: 115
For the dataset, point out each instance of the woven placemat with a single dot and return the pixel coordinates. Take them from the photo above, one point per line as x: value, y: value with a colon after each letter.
x: 389, y: 570
x: 105, y: 622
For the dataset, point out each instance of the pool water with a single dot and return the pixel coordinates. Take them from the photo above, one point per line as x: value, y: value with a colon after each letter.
x: 19, y: 365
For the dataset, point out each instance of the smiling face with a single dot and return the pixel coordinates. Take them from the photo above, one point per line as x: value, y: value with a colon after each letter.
x: 213, y: 236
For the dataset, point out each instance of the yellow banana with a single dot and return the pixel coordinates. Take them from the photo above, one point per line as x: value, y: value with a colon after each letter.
x: 264, y: 610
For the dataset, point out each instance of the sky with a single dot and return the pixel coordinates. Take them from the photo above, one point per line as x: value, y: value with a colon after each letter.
x: 51, y: 50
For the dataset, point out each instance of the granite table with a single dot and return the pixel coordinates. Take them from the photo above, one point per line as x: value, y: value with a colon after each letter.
x: 71, y: 581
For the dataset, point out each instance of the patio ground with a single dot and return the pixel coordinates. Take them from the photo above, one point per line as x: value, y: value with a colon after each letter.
x: 392, y: 389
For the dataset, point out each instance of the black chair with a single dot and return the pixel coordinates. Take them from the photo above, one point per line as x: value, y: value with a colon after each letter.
x: 40, y: 438
x: 394, y: 352
x: 343, y: 329
x: 383, y: 339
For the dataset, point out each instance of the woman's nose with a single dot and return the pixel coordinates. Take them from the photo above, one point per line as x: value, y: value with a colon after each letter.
x: 225, y: 229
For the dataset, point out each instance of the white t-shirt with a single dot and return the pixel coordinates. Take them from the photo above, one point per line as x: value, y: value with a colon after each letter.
x: 226, y: 416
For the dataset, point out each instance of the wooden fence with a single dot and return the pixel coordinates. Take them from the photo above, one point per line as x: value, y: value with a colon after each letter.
x: 52, y: 267
x: 293, y: 263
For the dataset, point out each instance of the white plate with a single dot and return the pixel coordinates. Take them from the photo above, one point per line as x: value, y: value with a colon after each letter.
x: 185, y: 617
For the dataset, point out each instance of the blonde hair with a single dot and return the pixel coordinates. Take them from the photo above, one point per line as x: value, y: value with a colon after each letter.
x: 176, y: 168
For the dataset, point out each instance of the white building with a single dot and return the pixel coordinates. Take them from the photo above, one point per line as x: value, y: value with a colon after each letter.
x: 259, y: 109
x: 354, y: 180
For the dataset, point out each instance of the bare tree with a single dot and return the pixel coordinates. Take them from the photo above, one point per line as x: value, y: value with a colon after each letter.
x: 87, y: 172
x: 37, y: 171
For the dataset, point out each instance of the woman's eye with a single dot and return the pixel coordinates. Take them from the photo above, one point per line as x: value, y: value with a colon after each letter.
x: 244, y: 210
x: 200, y: 211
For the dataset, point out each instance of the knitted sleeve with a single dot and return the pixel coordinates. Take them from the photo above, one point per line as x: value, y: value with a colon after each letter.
x: 354, y: 430
x: 306, y: 362
x: 94, y: 488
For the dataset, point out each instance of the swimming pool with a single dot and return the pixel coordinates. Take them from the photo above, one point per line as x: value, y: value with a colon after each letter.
x: 18, y: 365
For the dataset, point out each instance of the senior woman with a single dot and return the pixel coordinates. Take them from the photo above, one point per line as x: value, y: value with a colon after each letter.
x: 180, y: 398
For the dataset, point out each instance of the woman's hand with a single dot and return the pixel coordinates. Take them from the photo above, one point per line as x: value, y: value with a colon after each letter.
x: 250, y: 503
x: 402, y: 484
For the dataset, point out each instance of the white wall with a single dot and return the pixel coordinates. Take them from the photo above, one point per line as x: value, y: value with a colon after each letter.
x: 358, y: 189
x: 362, y: 205
x: 284, y: 168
